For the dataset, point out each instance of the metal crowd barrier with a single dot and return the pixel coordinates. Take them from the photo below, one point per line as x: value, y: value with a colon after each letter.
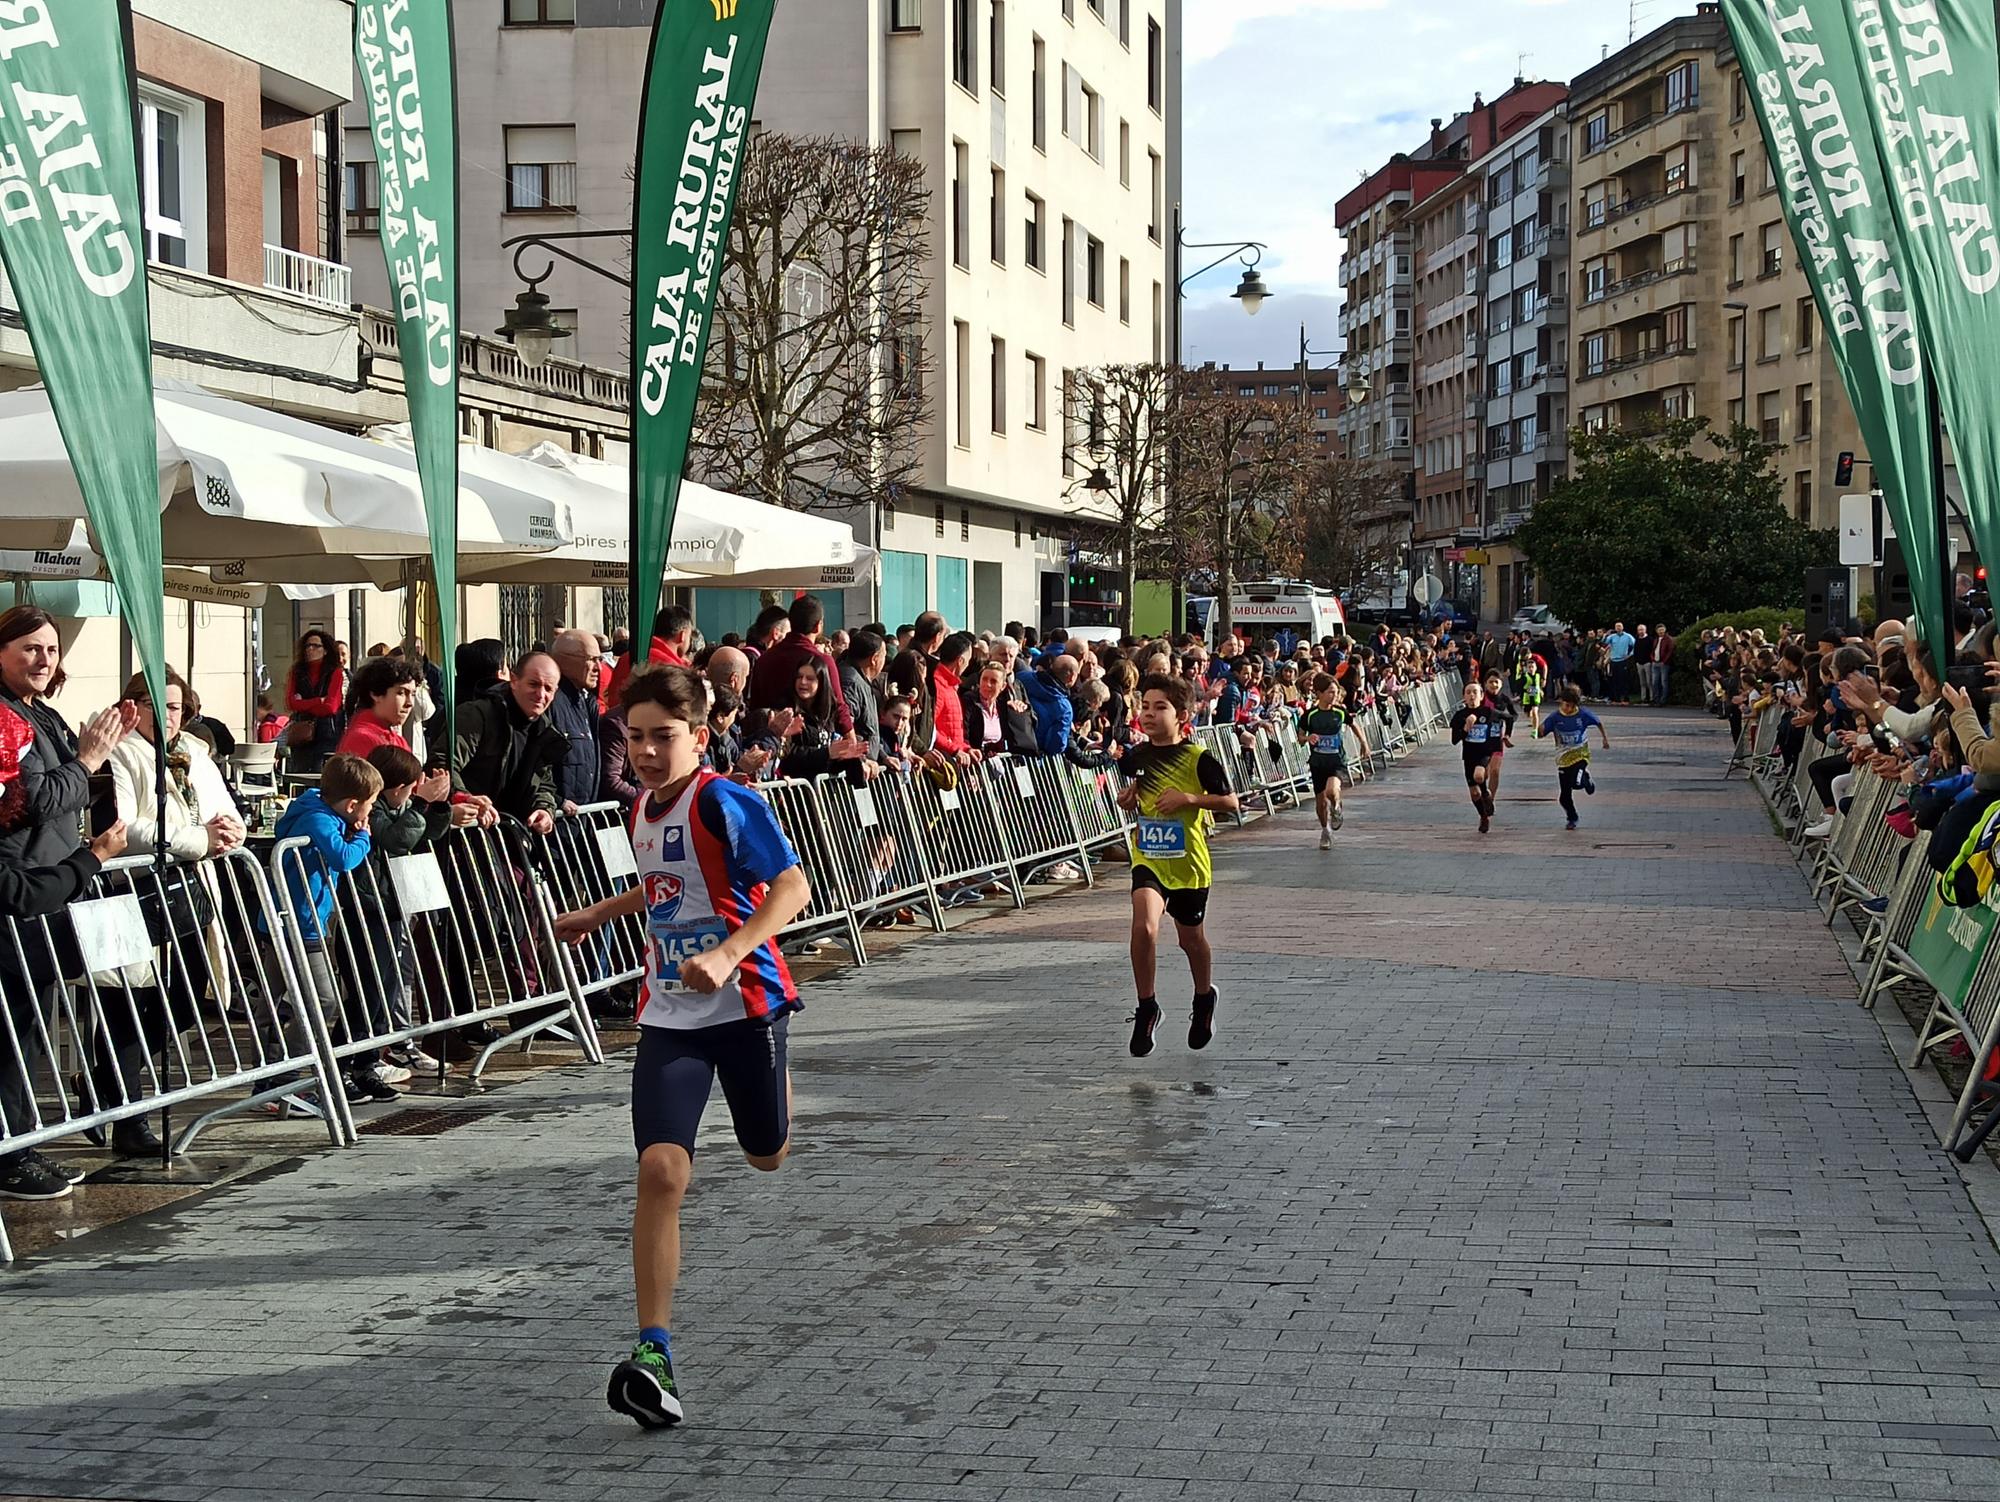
x: 417, y: 945
x: 586, y: 859
x: 152, y: 992
x: 1034, y: 814
x: 882, y: 853
x: 829, y: 910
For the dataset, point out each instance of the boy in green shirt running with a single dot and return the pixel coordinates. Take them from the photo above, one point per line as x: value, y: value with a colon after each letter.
x: 1173, y: 786
x: 1325, y: 729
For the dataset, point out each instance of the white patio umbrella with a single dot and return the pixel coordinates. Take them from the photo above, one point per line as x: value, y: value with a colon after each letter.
x: 719, y: 539
x: 240, y: 482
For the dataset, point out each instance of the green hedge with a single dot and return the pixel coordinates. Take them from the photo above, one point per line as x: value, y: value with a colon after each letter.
x: 1686, y: 683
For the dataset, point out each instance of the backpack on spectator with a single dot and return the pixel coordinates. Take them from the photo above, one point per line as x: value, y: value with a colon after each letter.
x: 1969, y: 877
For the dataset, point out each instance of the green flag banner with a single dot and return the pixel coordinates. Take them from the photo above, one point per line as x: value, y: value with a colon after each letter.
x: 1949, y: 942
x: 1805, y: 85
x: 694, y: 126
x: 1931, y: 68
x: 71, y: 238
x: 404, y: 49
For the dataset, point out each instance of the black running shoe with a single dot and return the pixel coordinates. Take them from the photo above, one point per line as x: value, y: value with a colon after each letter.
x: 1145, y: 1022
x: 642, y: 1387
x: 1202, y: 1028
x: 34, y: 1176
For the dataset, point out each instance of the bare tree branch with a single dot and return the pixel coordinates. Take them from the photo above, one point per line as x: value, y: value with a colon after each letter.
x: 815, y: 392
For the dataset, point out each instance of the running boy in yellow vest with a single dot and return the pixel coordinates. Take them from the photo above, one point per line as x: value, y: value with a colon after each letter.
x: 1174, y: 785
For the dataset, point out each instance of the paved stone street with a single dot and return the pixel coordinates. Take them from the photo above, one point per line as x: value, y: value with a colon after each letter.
x: 1537, y: 1165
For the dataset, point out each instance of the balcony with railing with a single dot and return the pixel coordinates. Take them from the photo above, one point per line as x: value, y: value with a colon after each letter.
x: 327, y: 283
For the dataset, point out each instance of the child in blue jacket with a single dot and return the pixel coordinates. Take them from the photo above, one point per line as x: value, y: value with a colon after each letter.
x: 333, y: 819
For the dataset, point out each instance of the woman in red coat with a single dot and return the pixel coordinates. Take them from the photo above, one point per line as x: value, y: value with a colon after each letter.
x: 313, y: 694
x: 948, y: 710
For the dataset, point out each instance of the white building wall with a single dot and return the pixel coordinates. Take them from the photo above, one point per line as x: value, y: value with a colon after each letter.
x: 833, y: 67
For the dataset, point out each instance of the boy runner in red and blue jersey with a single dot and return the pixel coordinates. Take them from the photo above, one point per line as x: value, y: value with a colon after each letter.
x: 718, y: 881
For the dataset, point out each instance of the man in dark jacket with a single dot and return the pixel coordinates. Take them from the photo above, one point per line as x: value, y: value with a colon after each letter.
x: 574, y: 712
x: 774, y: 675
x: 508, y: 750
x: 860, y: 670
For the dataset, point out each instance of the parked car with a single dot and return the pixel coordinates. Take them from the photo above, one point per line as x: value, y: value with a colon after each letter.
x: 1537, y: 620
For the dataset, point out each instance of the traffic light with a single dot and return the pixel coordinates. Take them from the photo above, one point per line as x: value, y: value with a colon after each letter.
x: 1843, y: 468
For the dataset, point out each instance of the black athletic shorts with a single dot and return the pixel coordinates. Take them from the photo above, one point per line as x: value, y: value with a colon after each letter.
x: 1480, y: 760
x: 675, y: 1067
x: 1187, y: 906
x: 1324, y: 769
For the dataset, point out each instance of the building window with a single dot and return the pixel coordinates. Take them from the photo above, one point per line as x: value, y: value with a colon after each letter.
x: 1069, y: 11
x: 1591, y: 354
x: 1808, y: 324
x: 175, y: 186
x: 361, y: 186
x: 1770, y: 335
x: 998, y: 375
x: 906, y: 366
x: 1736, y: 179
x: 1736, y: 335
x: 908, y: 144
x: 996, y: 48
x: 1124, y: 154
x: 1735, y: 260
x: 1035, y: 236
x: 1159, y: 324
x: 541, y: 169
x: 962, y: 369
x: 1156, y: 66
x: 1069, y: 273
x: 1093, y: 270
x: 906, y: 15
x: 1159, y: 172
x: 1125, y: 23
x: 1596, y: 280
x: 1124, y: 290
x: 1683, y: 88
x: 1802, y: 495
x: 1597, y: 130
x: 1774, y: 250
x: 964, y: 47
x: 1767, y: 417
x: 541, y: 12
x: 1735, y: 412
x: 961, y: 207
x: 997, y: 213
x: 1738, y: 100
x: 1038, y: 97
x: 965, y: 524
x: 1038, y: 393
x: 1803, y: 427
x: 1680, y: 169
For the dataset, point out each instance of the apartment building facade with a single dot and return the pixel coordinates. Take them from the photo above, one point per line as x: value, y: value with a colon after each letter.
x: 1414, y: 319
x: 1690, y: 297
x: 1314, y: 387
x: 1781, y: 377
x: 1644, y: 145
x: 1449, y: 276
x: 1522, y: 397
x: 1049, y: 131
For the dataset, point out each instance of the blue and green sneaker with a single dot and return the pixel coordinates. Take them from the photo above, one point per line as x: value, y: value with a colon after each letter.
x: 642, y: 1387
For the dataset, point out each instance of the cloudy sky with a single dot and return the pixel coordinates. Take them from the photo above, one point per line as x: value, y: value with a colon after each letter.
x: 1291, y: 102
